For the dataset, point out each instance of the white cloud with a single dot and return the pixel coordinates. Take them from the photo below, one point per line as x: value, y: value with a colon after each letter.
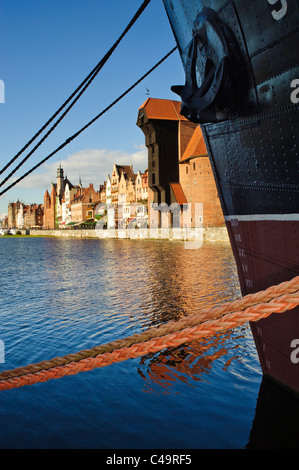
x: 92, y: 165
x: 140, y: 146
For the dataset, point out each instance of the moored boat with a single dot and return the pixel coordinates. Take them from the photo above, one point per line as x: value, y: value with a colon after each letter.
x: 241, y: 60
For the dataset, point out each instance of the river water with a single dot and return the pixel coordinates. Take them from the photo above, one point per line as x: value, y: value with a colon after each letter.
x: 60, y: 296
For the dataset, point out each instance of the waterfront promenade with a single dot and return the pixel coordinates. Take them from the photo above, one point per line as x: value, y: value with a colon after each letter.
x: 214, y: 234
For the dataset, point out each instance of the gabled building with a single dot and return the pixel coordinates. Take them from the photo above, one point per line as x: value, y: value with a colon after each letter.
x: 122, y: 189
x: 117, y: 171
x: 138, y: 187
x: 50, y: 208
x: 25, y: 215
x: 131, y: 191
x: 57, y: 204
x: 84, y: 203
x: 4, y: 222
x: 33, y: 216
x: 126, y: 193
x: 144, y: 186
x: 102, y: 191
x: 69, y: 192
x: 65, y: 192
x: 20, y: 216
x: 12, y: 214
x: 108, y: 191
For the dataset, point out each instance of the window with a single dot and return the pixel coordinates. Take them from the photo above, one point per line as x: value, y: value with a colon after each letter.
x: 193, y: 166
x: 153, y: 178
x: 186, y: 170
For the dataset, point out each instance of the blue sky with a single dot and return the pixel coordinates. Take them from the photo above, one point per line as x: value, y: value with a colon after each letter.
x: 47, y: 48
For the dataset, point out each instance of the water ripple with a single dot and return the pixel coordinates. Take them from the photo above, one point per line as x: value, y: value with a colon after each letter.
x: 59, y: 296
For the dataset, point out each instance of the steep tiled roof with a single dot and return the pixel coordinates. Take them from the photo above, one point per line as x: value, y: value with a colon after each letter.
x: 53, y: 190
x: 163, y: 109
x: 196, y: 146
x: 66, y: 180
x: 178, y: 193
x: 81, y: 192
x: 127, y: 170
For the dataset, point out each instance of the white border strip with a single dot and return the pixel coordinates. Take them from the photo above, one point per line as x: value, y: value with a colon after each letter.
x: 255, y: 217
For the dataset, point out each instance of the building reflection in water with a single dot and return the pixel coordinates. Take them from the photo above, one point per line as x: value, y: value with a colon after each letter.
x: 174, y: 282
x: 184, y: 281
x: 182, y: 285
x: 187, y: 363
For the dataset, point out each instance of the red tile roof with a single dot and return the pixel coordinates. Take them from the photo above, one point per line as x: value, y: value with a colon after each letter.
x: 126, y: 169
x: 178, y: 193
x: 196, y: 146
x: 163, y: 109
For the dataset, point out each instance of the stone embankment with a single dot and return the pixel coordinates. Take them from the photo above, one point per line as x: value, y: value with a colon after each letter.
x: 211, y: 234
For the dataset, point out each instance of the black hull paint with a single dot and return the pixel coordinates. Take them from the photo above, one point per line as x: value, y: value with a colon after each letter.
x: 255, y: 162
x: 252, y: 140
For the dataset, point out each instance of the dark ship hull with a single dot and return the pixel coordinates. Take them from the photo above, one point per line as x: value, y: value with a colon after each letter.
x: 242, y: 87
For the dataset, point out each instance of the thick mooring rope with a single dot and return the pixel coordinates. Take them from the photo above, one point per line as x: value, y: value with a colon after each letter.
x: 208, y: 322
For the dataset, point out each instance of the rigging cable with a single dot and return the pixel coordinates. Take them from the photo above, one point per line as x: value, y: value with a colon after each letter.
x: 71, y: 138
x: 84, y: 85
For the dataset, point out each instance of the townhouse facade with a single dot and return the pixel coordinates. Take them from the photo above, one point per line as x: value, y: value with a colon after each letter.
x: 50, y: 208
x: 25, y: 216
x: 12, y: 213
x: 102, y: 191
x: 83, y: 204
x: 4, y: 222
x: 70, y: 205
x: 33, y: 216
x: 127, y: 194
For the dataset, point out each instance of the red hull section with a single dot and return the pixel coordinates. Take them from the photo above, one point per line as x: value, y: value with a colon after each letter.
x: 267, y: 253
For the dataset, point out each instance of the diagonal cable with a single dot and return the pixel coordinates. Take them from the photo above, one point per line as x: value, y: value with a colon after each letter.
x: 83, y: 86
x: 71, y: 138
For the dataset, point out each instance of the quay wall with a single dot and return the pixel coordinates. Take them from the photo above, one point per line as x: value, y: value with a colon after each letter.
x: 209, y: 234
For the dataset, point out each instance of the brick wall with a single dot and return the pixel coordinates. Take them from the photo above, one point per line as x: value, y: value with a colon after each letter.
x: 198, y: 183
x: 186, y: 130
